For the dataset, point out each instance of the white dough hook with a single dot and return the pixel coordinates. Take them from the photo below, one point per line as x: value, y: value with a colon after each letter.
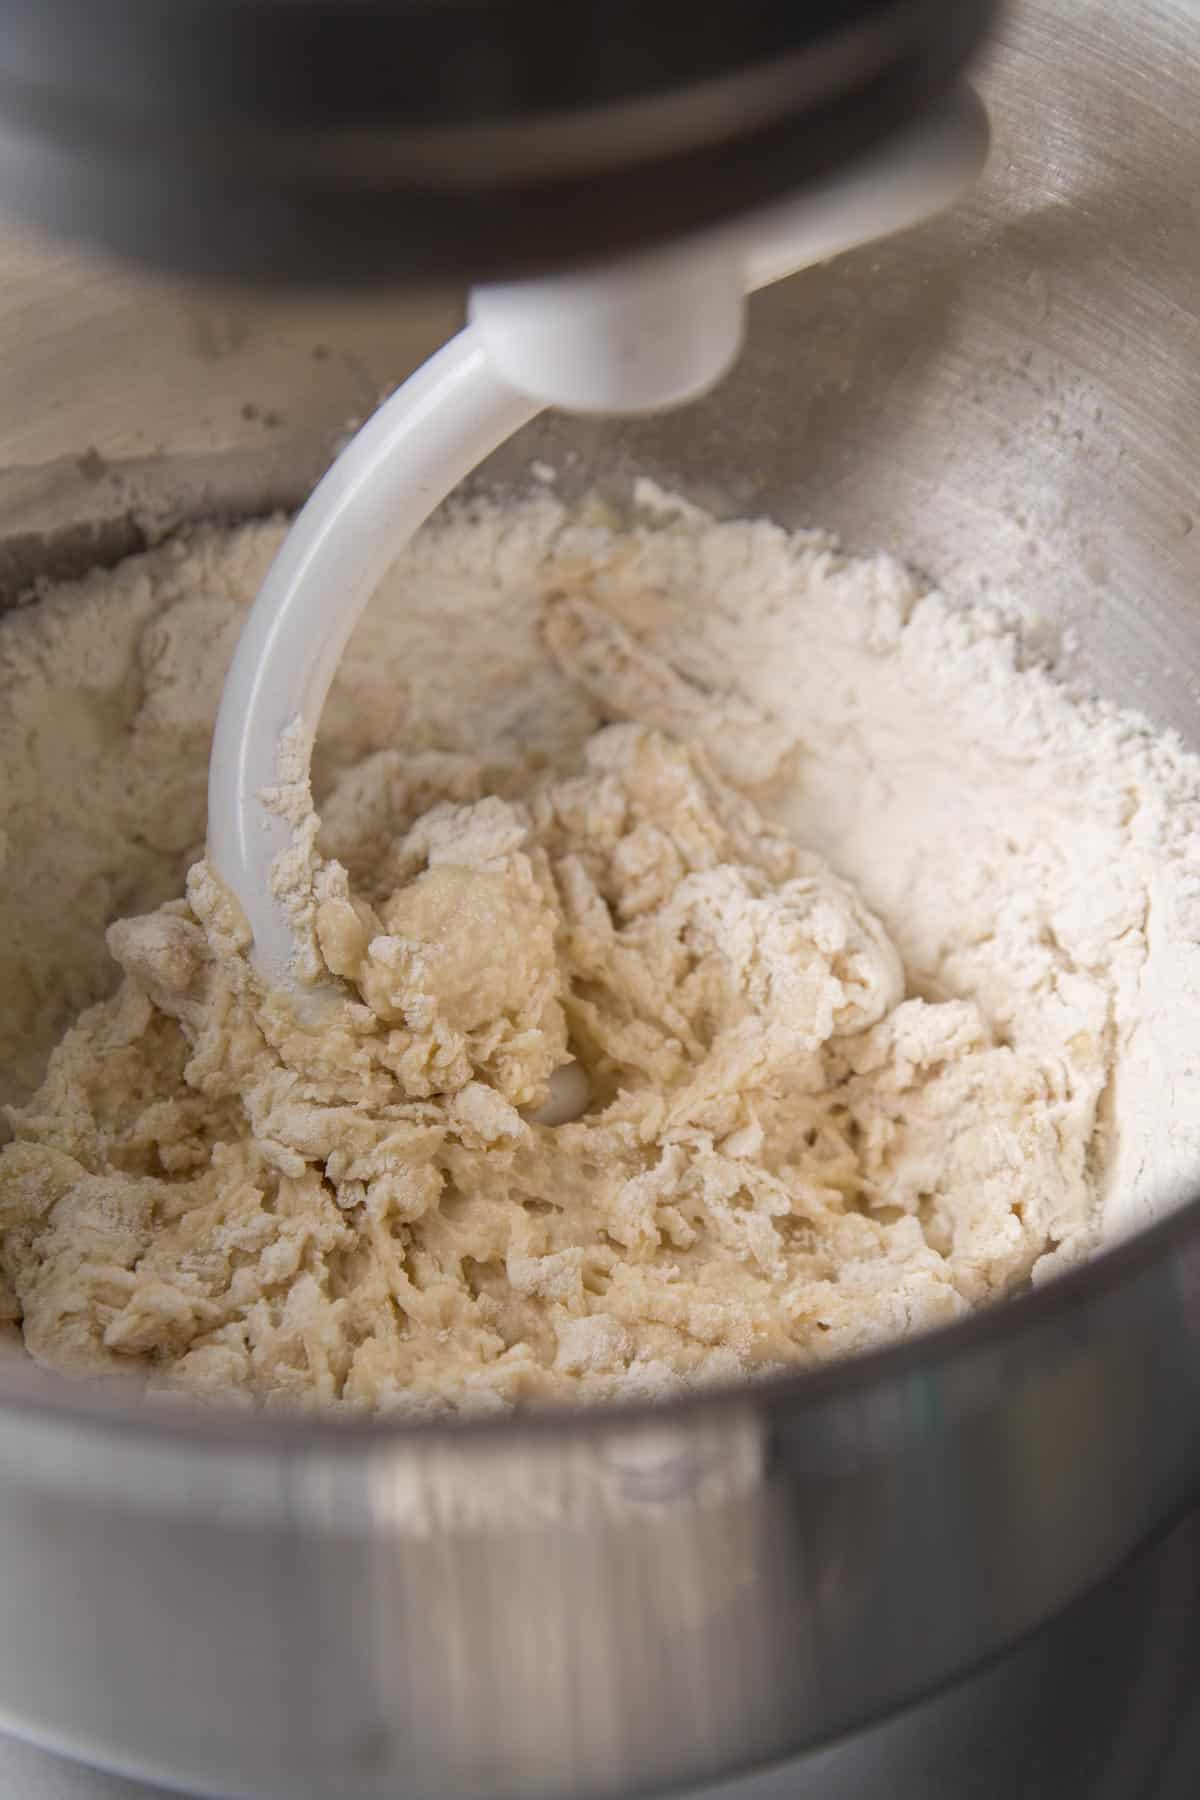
x: 642, y: 335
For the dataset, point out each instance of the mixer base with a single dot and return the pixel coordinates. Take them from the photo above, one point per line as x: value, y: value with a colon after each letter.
x: 1103, y: 1704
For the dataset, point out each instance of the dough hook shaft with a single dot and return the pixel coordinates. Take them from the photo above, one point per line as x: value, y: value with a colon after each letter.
x: 635, y: 336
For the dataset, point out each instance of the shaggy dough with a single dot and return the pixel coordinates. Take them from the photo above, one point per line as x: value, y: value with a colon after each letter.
x: 785, y: 1156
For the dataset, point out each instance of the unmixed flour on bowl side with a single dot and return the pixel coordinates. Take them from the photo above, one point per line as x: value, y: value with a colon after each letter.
x: 878, y: 945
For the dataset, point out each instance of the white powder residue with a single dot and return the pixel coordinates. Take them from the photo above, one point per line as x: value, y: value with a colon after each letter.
x: 881, y: 949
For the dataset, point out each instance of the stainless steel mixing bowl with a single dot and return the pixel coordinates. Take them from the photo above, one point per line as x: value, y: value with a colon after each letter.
x: 585, y: 1604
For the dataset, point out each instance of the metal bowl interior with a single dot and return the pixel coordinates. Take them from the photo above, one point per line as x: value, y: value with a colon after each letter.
x: 1008, y: 396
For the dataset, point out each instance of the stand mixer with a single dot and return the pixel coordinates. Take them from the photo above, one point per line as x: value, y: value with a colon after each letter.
x: 183, y: 131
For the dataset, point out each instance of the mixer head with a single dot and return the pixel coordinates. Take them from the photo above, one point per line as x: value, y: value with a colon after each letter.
x: 344, y: 143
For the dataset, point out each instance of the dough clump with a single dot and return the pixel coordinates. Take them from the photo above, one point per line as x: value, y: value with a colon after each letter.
x: 789, y: 1152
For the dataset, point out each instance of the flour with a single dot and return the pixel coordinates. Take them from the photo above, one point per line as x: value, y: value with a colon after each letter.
x: 880, y: 949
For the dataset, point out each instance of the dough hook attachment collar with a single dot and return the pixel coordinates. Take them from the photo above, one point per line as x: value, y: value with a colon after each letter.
x: 638, y: 335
